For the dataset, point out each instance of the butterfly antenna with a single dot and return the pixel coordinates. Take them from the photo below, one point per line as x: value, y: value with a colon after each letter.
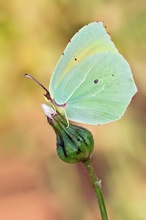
x: 47, y: 95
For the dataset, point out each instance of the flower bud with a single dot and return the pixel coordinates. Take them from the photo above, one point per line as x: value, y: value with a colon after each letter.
x: 74, y: 143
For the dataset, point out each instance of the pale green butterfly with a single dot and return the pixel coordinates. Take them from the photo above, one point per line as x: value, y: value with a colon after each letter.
x: 92, y: 82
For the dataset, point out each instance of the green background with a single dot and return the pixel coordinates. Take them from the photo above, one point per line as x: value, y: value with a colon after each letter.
x: 34, y: 183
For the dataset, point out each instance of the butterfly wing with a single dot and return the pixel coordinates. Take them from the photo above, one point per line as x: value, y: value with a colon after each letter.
x: 105, y: 93
x: 98, y: 90
x: 89, y: 40
x: 92, y: 79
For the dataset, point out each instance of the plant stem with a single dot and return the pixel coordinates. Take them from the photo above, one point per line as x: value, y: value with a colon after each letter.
x: 97, y: 188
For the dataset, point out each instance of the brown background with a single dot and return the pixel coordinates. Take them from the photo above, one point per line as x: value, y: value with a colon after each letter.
x: 34, y: 183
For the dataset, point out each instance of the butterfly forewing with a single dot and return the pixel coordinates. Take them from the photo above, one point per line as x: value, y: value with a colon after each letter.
x: 91, y: 39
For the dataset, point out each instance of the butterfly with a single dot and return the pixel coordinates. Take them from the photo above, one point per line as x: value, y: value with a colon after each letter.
x: 92, y: 83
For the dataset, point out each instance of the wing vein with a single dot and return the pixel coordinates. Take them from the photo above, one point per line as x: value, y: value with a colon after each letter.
x: 81, y: 82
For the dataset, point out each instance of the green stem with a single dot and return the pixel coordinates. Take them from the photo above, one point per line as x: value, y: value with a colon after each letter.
x: 97, y: 187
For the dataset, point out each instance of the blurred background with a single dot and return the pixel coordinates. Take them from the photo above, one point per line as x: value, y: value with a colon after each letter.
x: 34, y: 183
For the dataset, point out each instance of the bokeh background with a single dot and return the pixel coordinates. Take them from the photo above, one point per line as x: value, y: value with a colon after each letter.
x: 34, y: 183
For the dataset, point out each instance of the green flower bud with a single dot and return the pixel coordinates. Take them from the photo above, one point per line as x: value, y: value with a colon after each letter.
x: 74, y: 143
